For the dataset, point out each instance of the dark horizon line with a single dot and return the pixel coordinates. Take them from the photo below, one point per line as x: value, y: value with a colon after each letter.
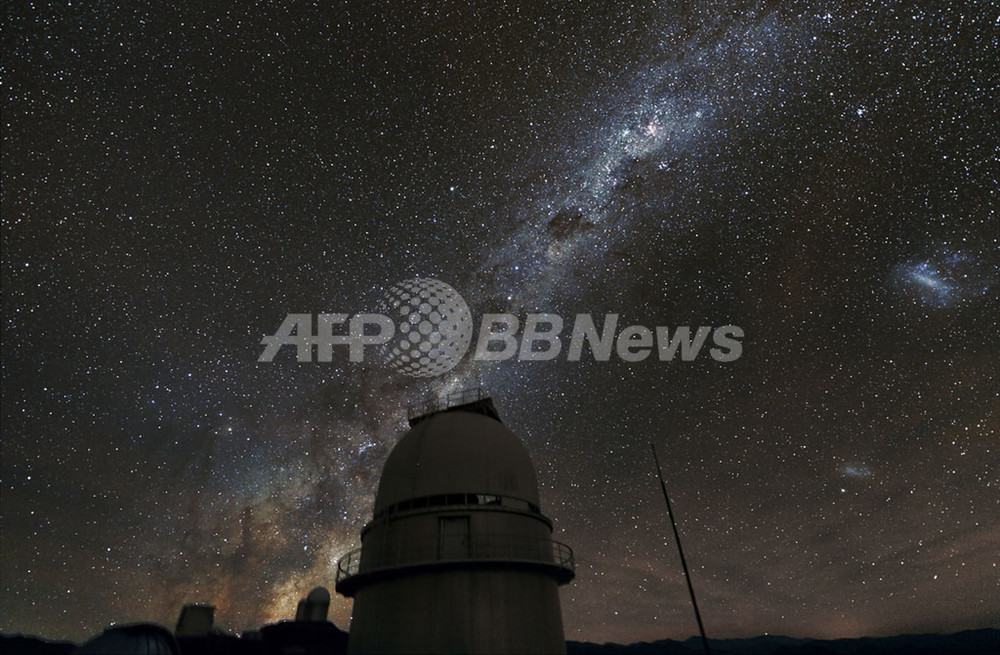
x: 696, y: 637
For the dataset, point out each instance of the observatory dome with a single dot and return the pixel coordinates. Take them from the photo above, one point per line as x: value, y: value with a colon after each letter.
x: 131, y: 639
x: 319, y: 595
x: 457, y: 453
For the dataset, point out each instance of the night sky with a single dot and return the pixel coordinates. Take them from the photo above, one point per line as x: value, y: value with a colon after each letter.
x: 177, y: 178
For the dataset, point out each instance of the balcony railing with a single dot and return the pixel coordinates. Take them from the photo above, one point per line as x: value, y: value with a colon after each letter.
x: 454, y: 551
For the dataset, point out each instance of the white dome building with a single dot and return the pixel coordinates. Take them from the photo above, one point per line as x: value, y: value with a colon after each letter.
x: 458, y: 557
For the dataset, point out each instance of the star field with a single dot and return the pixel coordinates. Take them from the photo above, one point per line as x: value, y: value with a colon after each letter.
x: 178, y: 179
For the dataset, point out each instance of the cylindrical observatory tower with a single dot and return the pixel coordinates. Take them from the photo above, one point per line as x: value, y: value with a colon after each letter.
x: 458, y: 557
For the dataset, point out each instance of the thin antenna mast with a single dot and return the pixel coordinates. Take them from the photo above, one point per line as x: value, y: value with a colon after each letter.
x: 677, y: 537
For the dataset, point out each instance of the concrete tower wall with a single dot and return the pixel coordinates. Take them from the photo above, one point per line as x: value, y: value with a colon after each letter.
x: 461, y: 612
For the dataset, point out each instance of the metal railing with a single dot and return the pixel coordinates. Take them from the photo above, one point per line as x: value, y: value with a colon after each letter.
x: 457, y: 548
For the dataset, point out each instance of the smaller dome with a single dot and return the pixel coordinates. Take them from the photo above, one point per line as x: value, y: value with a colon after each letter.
x: 318, y: 595
x: 314, y: 606
x: 132, y: 639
